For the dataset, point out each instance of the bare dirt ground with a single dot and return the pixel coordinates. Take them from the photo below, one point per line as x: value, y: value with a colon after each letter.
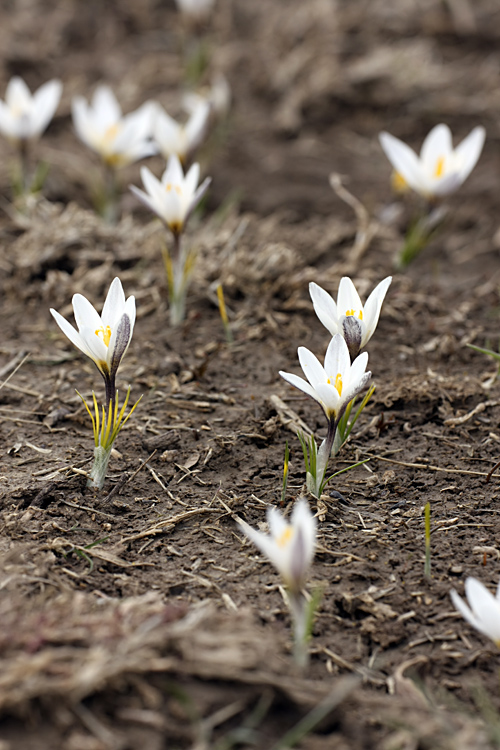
x: 140, y: 618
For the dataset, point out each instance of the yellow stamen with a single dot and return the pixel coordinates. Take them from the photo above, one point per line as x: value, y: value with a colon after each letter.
x: 285, y: 537
x: 398, y: 183
x: 338, y: 383
x: 104, y: 334
x: 111, y: 133
x: 358, y: 313
x: 177, y: 188
x: 438, y: 172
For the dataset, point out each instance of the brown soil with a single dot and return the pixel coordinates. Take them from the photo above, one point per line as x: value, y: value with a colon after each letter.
x: 140, y: 618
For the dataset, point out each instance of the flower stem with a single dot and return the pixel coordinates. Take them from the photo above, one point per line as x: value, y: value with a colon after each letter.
x: 100, y: 467
x: 298, y: 611
x: 324, y: 453
x: 25, y: 169
x: 110, y: 386
x: 110, y: 197
x: 177, y: 265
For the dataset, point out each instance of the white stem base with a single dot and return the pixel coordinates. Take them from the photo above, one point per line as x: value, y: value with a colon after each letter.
x: 99, y: 470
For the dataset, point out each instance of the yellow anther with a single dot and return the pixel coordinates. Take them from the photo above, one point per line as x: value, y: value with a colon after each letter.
x: 285, y: 537
x: 438, y: 172
x: 177, y: 188
x: 104, y: 334
x: 111, y: 133
x: 398, y: 183
x: 338, y: 383
x: 355, y: 313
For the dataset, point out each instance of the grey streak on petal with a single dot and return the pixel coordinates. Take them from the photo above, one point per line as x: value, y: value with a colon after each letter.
x: 352, y: 332
x: 123, y: 334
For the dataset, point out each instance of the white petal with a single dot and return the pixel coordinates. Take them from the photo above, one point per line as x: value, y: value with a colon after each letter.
x: 98, y: 351
x: 106, y: 108
x: 143, y: 119
x: 148, y: 201
x: 8, y: 126
x: 372, y: 309
x: 354, y: 387
x: 485, y: 607
x: 71, y: 333
x: 191, y: 180
x: 86, y: 315
x: 337, y: 359
x: 347, y: 297
x: 46, y: 101
x: 277, y: 524
x: 328, y: 397
x: 114, y: 304
x: 358, y: 369
x: 82, y: 121
x: 311, y: 367
x: 153, y: 186
x: 130, y: 311
x: 197, y: 125
x: 174, y: 209
x: 299, y: 383
x: 198, y: 196
x: 464, y: 610
x: 437, y: 145
x: 17, y: 95
x: 324, y: 307
x: 445, y: 185
x: 469, y: 150
x: 173, y: 173
x: 403, y: 159
x: 267, y: 546
x: 169, y: 134
x: 302, y: 518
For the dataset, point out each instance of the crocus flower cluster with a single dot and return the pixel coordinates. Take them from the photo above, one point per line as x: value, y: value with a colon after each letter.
x: 336, y: 383
x: 349, y: 317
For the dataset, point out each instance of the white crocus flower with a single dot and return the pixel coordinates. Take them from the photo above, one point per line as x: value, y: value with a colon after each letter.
x: 182, y: 140
x: 289, y: 546
x: 440, y: 169
x: 104, y: 338
x: 24, y: 116
x: 349, y: 317
x: 335, y: 384
x: 175, y: 196
x: 483, y: 612
x: 118, y: 139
